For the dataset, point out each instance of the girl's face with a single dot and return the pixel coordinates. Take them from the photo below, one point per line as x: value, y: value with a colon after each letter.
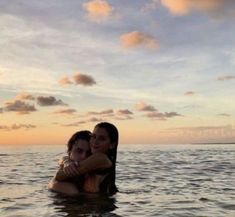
x: 100, y: 141
x: 80, y: 150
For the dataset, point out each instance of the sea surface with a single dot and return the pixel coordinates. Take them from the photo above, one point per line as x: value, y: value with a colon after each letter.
x: 153, y: 180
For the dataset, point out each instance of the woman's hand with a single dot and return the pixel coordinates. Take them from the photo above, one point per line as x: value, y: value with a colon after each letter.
x: 63, y: 160
x: 70, y: 168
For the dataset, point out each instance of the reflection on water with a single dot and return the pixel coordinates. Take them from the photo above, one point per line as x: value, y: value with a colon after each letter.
x: 84, y: 205
x: 167, y: 181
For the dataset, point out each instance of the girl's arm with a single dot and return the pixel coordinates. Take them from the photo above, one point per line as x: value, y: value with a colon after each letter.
x: 93, y: 162
x: 63, y: 187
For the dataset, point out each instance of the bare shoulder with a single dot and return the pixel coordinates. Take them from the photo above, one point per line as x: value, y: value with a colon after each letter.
x: 98, y: 160
x: 101, y: 156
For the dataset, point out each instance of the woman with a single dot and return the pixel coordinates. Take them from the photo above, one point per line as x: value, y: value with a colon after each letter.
x: 99, y: 168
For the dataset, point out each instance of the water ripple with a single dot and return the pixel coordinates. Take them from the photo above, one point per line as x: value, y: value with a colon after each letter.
x: 167, y: 181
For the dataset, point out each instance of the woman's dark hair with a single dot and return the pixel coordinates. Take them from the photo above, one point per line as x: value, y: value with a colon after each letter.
x: 108, y: 185
x: 84, y: 135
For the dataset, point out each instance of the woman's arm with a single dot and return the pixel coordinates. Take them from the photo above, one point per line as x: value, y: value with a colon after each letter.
x: 64, y: 160
x: 66, y: 171
x: 93, y: 162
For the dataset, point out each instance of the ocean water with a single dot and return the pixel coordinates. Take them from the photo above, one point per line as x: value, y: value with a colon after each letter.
x: 153, y: 180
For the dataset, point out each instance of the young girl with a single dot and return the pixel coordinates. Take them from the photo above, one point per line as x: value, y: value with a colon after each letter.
x: 78, y: 149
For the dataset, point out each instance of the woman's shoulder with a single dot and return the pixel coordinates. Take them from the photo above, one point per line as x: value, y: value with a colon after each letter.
x: 99, y: 156
x: 99, y: 160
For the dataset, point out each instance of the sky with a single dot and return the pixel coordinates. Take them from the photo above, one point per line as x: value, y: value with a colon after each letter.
x: 162, y: 71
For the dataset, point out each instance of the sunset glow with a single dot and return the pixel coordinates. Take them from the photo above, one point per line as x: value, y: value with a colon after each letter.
x: 162, y: 71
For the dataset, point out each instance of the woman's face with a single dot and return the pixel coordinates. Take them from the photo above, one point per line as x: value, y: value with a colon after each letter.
x: 100, y: 141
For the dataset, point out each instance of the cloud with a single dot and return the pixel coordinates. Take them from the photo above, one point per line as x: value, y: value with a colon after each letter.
x: 25, y: 96
x: 3, y: 127
x: 104, y: 112
x: 17, y: 127
x: 224, y: 115
x: 18, y: 106
x: 215, y: 8
x: 66, y: 111
x: 205, y: 131
x: 123, y: 118
x: 65, y: 81
x: 121, y: 114
x: 49, y: 101
x: 98, y: 10
x: 189, y: 93
x: 226, y: 77
x: 138, y: 39
x: 162, y: 116
x: 94, y: 119
x: 78, y: 79
x: 84, y: 80
x: 141, y: 106
x: 124, y: 112
x: 75, y: 124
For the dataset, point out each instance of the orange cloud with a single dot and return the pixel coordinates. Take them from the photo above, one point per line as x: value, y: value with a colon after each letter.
x: 85, y: 80
x: 213, y: 7
x: 98, y: 10
x: 65, y: 81
x: 183, y: 7
x: 137, y: 39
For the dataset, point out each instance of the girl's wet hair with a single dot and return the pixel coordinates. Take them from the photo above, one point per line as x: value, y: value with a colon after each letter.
x: 84, y: 135
x: 108, y: 185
